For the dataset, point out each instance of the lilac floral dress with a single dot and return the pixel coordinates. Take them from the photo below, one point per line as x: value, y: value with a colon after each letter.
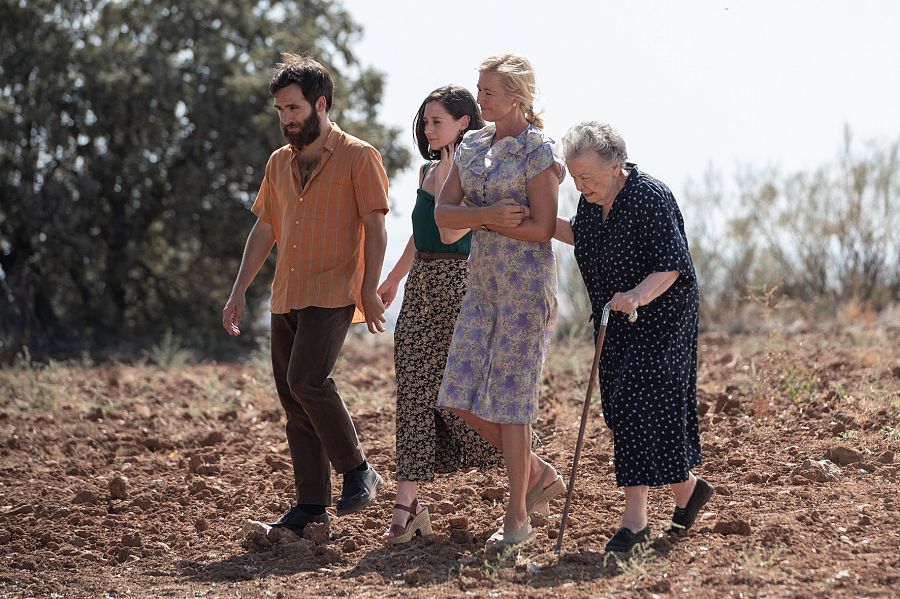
x: 504, y: 326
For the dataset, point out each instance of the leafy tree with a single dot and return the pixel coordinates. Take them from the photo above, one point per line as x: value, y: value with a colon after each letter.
x: 132, y: 140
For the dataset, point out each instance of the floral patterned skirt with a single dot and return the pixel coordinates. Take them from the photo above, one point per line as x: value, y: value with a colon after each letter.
x: 431, y: 440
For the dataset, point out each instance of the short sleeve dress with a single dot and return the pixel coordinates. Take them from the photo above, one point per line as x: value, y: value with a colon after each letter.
x: 507, y: 317
x: 648, y: 369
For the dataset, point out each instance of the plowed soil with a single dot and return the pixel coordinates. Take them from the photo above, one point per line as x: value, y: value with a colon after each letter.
x: 137, y: 480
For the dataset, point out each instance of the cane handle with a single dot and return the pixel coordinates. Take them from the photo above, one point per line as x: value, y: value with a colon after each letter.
x: 604, y: 318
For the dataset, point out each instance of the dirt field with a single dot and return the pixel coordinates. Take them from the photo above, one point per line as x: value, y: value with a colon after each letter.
x: 133, y: 480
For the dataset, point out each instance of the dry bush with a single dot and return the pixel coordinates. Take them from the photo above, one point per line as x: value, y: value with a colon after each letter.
x: 826, y: 239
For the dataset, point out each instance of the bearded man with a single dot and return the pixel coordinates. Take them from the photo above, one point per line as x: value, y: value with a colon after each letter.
x: 322, y: 201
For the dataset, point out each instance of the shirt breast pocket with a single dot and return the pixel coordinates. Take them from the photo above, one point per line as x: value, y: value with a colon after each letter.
x: 331, y: 205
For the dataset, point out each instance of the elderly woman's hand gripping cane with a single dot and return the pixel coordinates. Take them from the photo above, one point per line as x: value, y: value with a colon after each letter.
x: 621, y: 302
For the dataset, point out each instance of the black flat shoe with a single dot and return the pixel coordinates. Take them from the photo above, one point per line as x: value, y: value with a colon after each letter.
x: 625, y: 540
x: 360, y: 488
x: 296, y: 519
x: 683, y: 518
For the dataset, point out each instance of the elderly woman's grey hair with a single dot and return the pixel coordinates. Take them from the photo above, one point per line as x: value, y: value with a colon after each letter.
x: 597, y: 137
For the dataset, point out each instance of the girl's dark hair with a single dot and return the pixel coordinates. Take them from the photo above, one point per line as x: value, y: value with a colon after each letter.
x: 458, y: 102
x: 313, y: 78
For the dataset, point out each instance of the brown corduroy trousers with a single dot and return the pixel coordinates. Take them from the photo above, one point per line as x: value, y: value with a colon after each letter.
x: 320, y: 432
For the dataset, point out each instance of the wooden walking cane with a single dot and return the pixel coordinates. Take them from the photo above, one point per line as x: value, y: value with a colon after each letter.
x: 595, y: 367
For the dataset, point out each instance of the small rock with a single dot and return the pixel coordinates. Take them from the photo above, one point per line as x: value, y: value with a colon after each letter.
x: 253, y: 535
x: 212, y: 438
x: 281, y: 536
x: 444, y: 507
x: 459, y: 522
x: 723, y: 491
x: 118, y: 488
x: 838, y: 428
x: 201, y: 487
x: 201, y: 525
x: 277, y: 464
x: 755, y: 478
x: 349, y: 545
x: 663, y: 585
x: 371, y: 524
x: 300, y: 547
x: 461, y: 537
x: 736, y: 461
x: 86, y: 497
x: 843, y: 455
x: 887, y: 457
x: 706, y: 516
x: 732, y: 526
x: 820, y: 471
x: 493, y: 493
x: 869, y: 467
x: 131, y: 540
x: 5, y: 536
x: 199, y: 465
x: 316, y: 532
x: 328, y: 553
x: 538, y: 519
x: 142, y: 503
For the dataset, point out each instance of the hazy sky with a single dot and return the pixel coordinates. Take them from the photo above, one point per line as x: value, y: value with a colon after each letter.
x: 688, y: 84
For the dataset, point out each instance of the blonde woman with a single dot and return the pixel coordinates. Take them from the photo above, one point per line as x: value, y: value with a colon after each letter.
x: 509, y: 176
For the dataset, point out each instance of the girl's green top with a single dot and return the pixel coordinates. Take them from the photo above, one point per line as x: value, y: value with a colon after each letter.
x: 425, y: 231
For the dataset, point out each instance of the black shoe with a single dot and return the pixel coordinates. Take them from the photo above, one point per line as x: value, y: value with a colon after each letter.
x: 360, y: 488
x: 296, y: 519
x: 683, y: 518
x: 625, y: 540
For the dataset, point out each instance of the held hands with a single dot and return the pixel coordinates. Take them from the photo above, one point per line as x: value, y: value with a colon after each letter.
x: 373, y: 308
x: 231, y: 314
x: 387, y: 291
x: 625, y: 301
x: 506, y: 213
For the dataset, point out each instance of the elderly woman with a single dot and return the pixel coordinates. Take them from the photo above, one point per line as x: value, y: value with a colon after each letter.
x: 631, y: 249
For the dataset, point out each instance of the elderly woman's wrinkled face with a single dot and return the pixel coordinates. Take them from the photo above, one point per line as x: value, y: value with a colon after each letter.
x: 594, y: 177
x: 493, y: 98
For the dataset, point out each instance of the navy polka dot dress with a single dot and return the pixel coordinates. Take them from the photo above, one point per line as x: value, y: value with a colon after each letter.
x: 648, y: 369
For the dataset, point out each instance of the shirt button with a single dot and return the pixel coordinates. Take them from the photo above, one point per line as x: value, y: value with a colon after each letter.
x: 301, y: 199
x: 296, y: 222
x: 294, y: 246
x: 292, y: 270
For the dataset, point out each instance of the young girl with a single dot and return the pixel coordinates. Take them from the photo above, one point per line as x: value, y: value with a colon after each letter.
x: 430, y: 440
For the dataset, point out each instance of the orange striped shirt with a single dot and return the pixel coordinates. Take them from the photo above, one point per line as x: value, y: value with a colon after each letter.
x: 318, y: 228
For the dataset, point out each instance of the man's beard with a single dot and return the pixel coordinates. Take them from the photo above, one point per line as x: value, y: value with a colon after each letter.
x: 308, y: 132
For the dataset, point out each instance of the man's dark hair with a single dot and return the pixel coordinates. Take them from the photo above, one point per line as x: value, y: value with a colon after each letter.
x: 314, y: 79
x: 458, y: 102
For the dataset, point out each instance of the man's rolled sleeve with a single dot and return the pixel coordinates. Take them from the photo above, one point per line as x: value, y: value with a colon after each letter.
x: 370, y: 182
x: 262, y: 206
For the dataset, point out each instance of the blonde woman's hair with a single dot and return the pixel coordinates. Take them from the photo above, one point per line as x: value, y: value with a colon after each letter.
x: 518, y: 81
